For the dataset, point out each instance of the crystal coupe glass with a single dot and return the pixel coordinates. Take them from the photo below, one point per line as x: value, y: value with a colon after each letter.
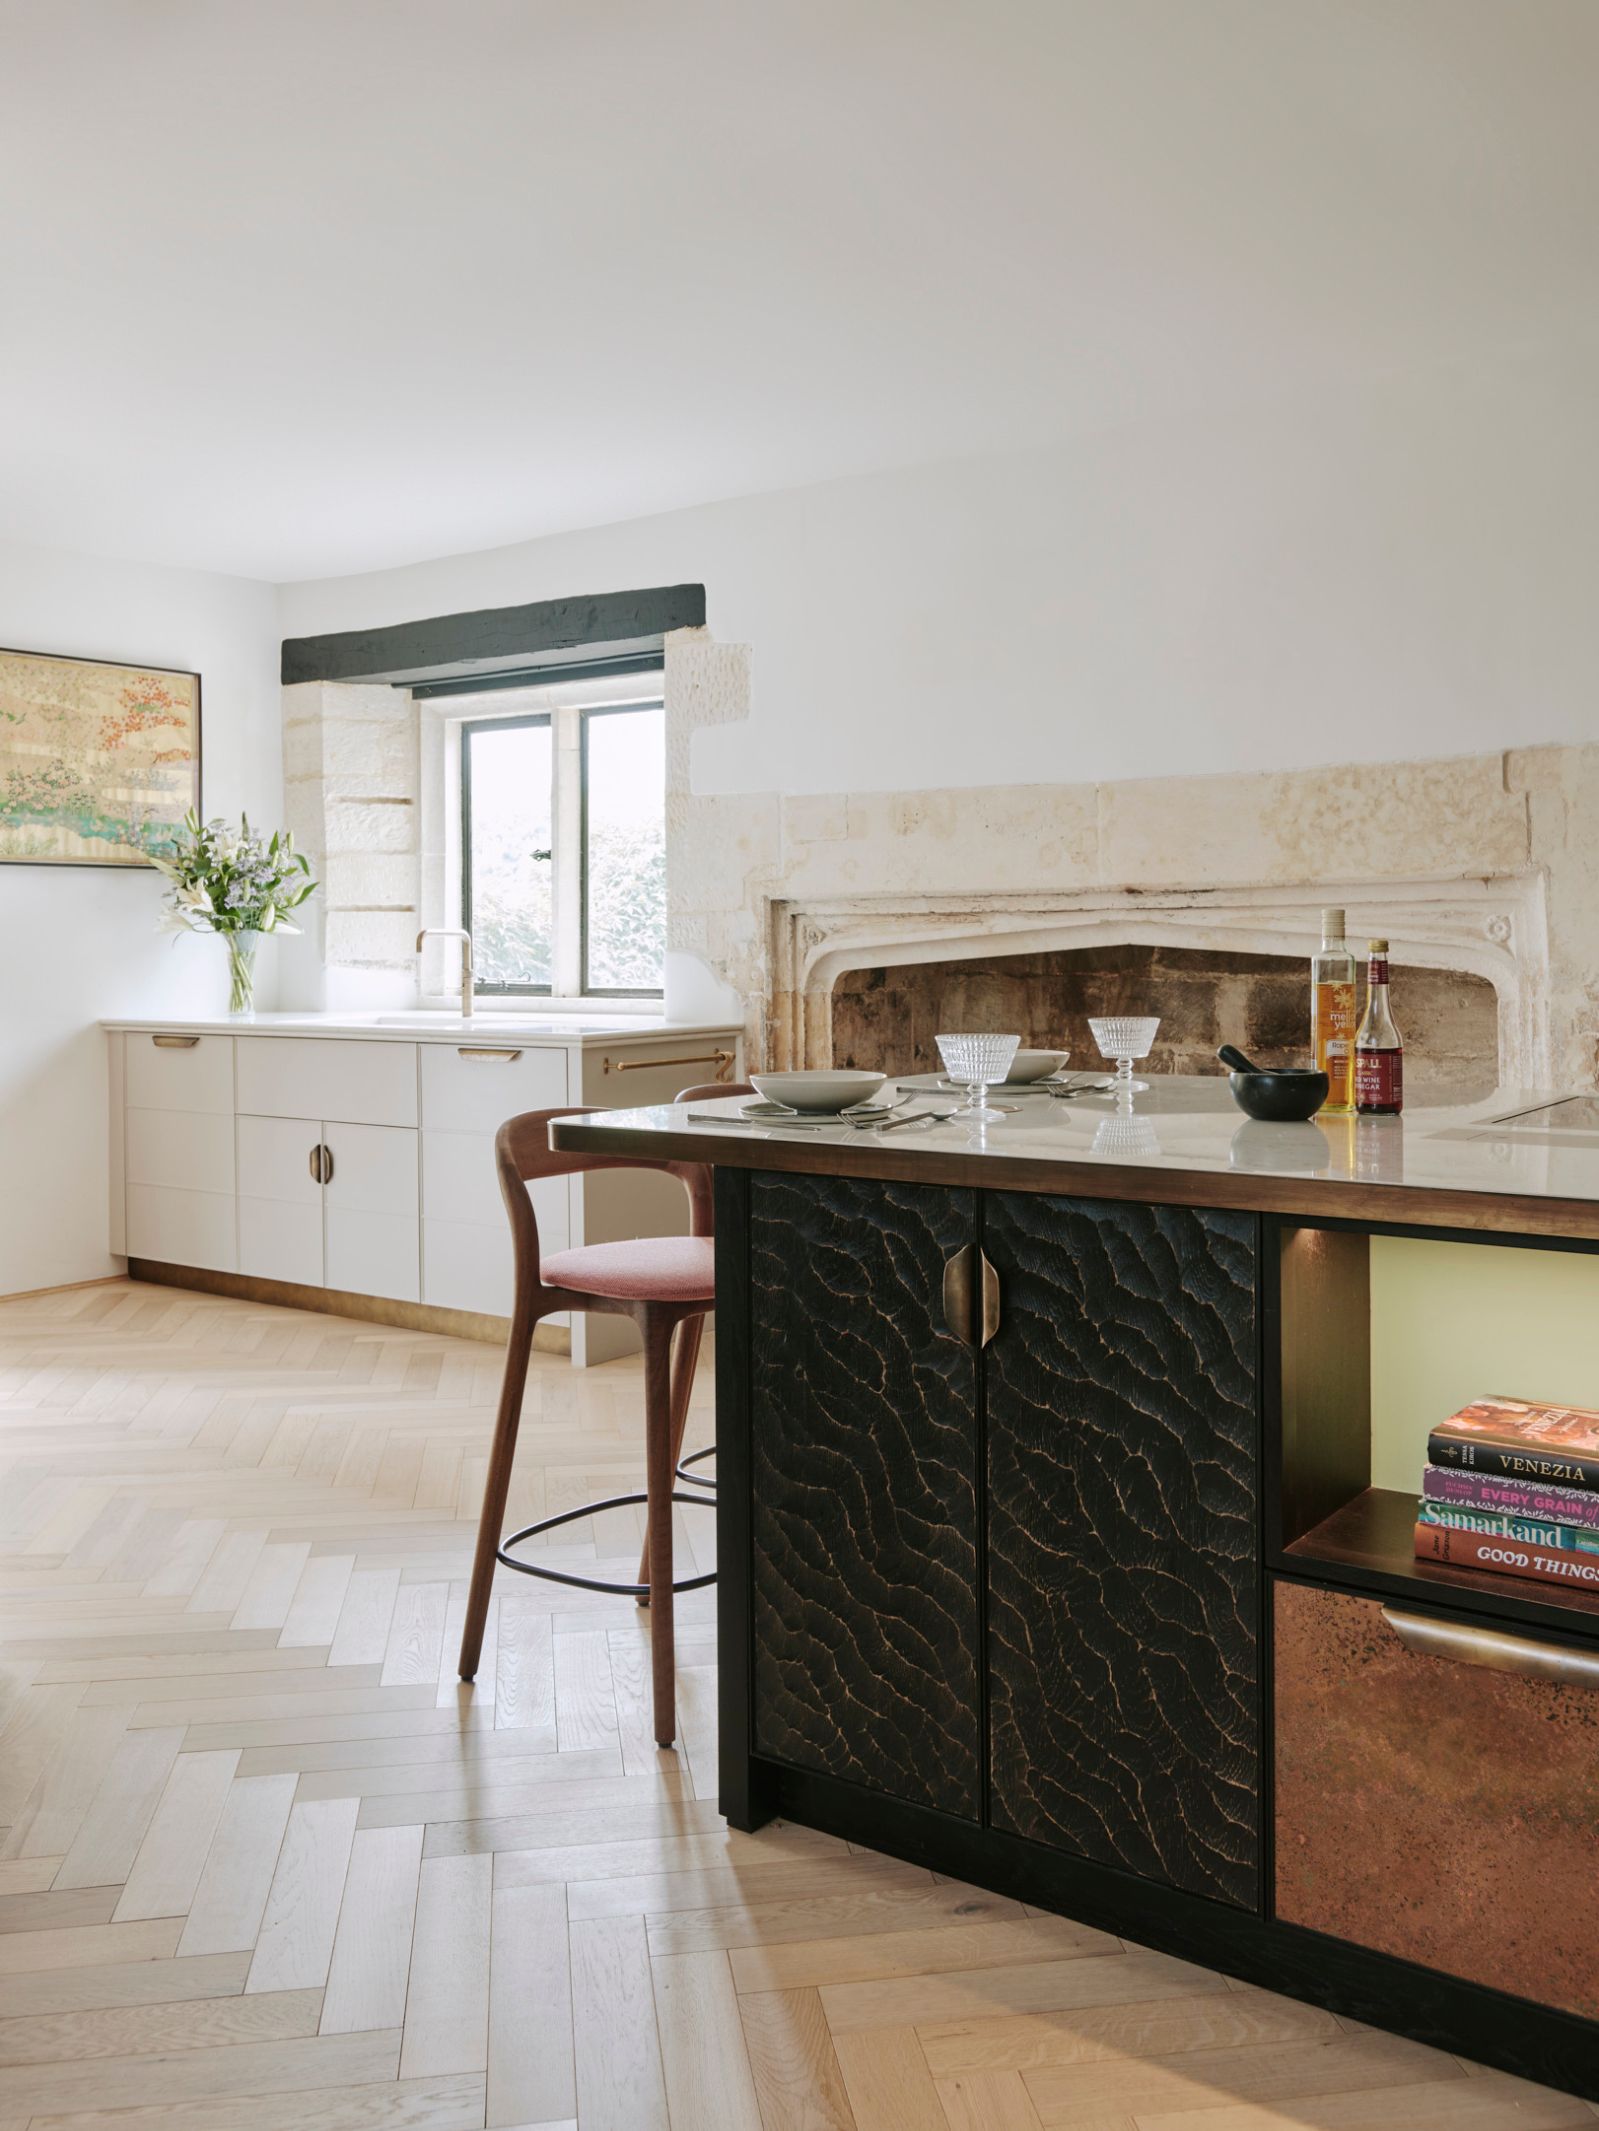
x: 977, y: 1063
x: 1124, y: 1037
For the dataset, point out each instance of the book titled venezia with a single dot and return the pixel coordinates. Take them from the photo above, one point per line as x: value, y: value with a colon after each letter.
x: 1521, y: 1440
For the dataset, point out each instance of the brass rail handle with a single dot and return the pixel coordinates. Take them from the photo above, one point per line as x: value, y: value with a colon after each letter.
x: 1426, y: 1637
x: 479, y: 1050
x: 720, y: 1059
x: 174, y: 1043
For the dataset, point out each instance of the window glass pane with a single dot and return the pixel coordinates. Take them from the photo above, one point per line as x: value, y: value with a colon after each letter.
x: 625, y: 854
x: 511, y: 876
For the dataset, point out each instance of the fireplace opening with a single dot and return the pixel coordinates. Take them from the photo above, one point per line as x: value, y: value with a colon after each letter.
x: 887, y: 1017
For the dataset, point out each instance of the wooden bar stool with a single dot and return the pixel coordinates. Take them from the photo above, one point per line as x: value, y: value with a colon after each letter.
x: 666, y: 1284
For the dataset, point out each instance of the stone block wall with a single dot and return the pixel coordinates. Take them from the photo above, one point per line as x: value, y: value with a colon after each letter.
x: 351, y: 796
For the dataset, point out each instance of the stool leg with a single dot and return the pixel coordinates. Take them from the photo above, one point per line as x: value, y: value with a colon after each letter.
x: 685, y: 1357
x: 491, y: 1523
x: 658, y: 1464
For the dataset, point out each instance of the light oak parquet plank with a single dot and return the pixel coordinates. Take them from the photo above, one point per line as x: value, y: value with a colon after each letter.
x: 277, y: 2068
x: 620, y: 2084
x: 103, y: 1850
x: 1018, y: 1987
x: 708, y: 2078
x: 532, y: 2077
x: 362, y: 1634
x: 798, y: 2082
x: 172, y: 1856
x: 1341, y: 2066
x: 887, y: 2081
x: 313, y: 1616
x: 1486, y: 2104
x: 372, y: 1946
x: 928, y: 1951
x: 35, y: 1952
x: 1219, y: 2019
x: 140, y: 2030
x: 302, y: 1912
x: 726, y: 1893
x: 230, y: 1899
x: 78, y: 1990
x: 447, y: 2004
x: 987, y: 2101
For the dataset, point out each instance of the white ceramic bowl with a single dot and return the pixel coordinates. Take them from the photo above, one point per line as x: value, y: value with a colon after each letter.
x: 825, y: 1093
x: 1036, y: 1065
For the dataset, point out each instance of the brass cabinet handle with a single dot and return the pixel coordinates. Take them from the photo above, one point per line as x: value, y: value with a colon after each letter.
x: 989, y: 1322
x: 316, y: 1164
x: 972, y: 1317
x: 478, y: 1050
x: 174, y: 1043
x: 1426, y: 1637
x: 720, y: 1059
x: 327, y: 1163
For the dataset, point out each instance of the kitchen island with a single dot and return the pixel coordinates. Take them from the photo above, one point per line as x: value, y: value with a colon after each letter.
x: 1051, y: 1556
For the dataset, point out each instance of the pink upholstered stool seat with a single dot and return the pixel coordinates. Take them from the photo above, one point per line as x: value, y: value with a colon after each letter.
x: 647, y: 1269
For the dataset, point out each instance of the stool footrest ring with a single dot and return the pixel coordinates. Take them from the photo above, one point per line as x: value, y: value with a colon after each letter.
x: 595, y: 1583
x: 692, y: 1479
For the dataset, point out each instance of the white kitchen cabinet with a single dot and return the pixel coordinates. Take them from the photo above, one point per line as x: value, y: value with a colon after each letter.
x: 178, y: 1150
x: 327, y: 1158
x: 330, y: 1205
x: 371, y: 1208
x: 312, y: 1077
x: 468, y: 1091
x: 280, y: 1200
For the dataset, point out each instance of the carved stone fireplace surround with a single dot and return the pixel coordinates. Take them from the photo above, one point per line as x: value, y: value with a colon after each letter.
x: 1473, y: 863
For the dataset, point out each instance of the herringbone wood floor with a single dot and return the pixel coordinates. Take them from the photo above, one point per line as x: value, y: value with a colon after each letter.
x: 263, y: 1862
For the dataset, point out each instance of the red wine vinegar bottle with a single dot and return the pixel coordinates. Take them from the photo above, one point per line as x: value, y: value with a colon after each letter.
x: 1379, y: 1053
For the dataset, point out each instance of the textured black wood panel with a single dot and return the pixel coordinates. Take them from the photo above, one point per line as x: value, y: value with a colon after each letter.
x: 1123, y: 1618
x: 863, y: 1477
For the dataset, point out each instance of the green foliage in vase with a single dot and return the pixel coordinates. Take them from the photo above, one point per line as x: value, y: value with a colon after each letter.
x: 231, y: 880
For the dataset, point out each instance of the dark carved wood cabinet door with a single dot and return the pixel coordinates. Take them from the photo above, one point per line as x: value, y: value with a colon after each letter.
x: 1123, y: 1591
x: 863, y: 1478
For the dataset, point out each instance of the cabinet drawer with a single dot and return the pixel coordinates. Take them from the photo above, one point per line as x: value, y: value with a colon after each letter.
x: 176, y: 1072
x: 476, y: 1086
x: 466, y: 1265
x: 177, y: 1227
x: 1435, y: 1807
x: 628, y: 1075
x: 324, y: 1078
x: 187, y: 1150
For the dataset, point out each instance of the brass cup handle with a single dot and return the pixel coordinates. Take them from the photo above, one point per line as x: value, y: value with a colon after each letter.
x: 174, y: 1043
x: 971, y: 1296
x: 322, y: 1163
x: 1424, y: 1636
x: 478, y: 1050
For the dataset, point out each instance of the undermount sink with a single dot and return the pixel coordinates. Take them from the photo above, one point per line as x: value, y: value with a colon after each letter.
x: 478, y: 1024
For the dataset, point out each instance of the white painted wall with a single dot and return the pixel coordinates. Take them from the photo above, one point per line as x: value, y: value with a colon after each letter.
x: 1390, y: 577
x: 77, y: 943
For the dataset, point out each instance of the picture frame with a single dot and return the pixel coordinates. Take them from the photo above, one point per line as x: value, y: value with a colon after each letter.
x: 100, y: 759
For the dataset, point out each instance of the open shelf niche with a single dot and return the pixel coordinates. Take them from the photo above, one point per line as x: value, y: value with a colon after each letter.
x: 1380, y: 1336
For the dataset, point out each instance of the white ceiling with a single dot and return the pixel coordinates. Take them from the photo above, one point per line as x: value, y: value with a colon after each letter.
x: 296, y: 287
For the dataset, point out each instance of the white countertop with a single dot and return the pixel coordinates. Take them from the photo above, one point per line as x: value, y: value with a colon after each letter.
x: 530, y: 1031
x: 1184, y: 1123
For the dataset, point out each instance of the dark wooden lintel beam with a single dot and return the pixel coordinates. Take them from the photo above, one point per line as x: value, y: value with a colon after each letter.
x: 493, y: 637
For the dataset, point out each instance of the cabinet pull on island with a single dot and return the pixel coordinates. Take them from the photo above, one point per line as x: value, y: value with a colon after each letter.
x: 175, y: 1043
x: 1463, y: 1644
x: 971, y: 1307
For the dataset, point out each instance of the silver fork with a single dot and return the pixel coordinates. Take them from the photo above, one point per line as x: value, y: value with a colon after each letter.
x: 914, y: 1117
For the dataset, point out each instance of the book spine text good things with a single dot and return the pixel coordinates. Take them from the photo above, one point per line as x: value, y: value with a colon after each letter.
x: 1505, y: 1557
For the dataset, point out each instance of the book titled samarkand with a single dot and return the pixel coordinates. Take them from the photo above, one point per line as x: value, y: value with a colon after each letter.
x: 1521, y: 1440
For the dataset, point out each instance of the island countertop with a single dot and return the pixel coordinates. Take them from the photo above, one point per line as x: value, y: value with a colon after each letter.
x: 1524, y: 1163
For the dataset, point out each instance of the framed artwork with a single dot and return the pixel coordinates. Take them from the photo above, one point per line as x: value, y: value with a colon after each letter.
x: 99, y: 761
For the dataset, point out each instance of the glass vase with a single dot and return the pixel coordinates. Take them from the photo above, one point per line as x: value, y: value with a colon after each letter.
x: 241, y: 972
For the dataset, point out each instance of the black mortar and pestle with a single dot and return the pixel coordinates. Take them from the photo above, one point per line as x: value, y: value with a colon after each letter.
x: 1278, y: 1095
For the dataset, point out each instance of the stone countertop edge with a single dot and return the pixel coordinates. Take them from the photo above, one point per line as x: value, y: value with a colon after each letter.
x: 483, y: 1029
x: 1437, y: 1168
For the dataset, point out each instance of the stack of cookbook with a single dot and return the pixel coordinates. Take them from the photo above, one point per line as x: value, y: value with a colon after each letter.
x: 1513, y: 1487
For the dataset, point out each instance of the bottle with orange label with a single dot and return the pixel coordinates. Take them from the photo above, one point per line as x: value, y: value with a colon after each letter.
x: 1332, y: 1013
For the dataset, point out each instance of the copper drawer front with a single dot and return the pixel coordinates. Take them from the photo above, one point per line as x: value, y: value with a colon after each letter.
x: 1442, y: 1807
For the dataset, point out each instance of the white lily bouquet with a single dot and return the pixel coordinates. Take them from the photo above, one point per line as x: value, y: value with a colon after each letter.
x: 237, y: 883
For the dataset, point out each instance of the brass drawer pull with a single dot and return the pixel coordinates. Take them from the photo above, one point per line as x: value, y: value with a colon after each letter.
x: 1426, y: 1637
x: 972, y: 1318
x: 322, y: 1163
x: 174, y: 1043
x: 720, y: 1059
x: 478, y: 1050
